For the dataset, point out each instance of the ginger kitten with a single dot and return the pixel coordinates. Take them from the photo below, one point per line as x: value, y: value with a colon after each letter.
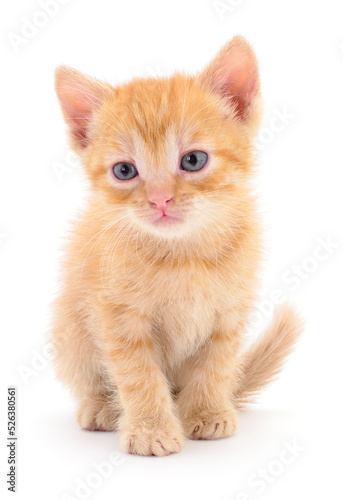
x: 161, y: 270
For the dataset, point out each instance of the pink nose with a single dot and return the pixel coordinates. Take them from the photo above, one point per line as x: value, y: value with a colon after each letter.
x: 160, y: 201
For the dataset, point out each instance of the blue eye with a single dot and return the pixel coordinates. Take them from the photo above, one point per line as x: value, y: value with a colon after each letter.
x: 125, y: 171
x: 194, y: 161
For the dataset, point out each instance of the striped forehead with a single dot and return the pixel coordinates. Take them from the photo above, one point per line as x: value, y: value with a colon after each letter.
x: 157, y: 115
x: 158, y: 121
x: 159, y: 156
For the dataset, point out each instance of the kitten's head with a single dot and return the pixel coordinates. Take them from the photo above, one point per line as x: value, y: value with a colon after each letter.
x: 170, y: 155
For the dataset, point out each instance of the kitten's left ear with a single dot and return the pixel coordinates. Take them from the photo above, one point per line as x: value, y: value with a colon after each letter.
x: 80, y: 97
x: 233, y: 75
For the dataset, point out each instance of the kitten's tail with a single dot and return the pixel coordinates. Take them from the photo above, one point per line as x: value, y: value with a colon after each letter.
x: 263, y: 360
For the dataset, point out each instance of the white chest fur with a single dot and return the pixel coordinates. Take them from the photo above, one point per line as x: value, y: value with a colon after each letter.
x: 184, y: 319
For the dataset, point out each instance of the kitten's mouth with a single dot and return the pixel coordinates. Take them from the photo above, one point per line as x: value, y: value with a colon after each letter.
x: 166, y: 219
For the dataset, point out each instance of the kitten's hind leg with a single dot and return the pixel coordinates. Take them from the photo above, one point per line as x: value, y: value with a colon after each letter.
x: 79, y: 365
x: 98, y: 413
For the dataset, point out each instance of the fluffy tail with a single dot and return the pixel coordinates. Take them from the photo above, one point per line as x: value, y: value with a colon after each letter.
x: 264, y: 359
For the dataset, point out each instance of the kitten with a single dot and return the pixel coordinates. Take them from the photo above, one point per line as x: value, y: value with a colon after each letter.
x: 161, y: 269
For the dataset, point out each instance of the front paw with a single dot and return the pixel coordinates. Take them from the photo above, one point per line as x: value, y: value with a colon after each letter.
x: 210, y: 424
x: 145, y: 439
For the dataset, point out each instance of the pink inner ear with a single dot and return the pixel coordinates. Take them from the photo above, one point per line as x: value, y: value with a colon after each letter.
x: 234, y: 75
x: 240, y: 74
x: 79, y: 97
x: 78, y: 110
x: 240, y: 80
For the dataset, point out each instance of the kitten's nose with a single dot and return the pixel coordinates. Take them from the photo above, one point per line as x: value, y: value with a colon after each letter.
x: 160, y: 201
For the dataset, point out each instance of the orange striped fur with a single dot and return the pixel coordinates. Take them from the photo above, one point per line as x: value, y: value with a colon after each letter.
x: 148, y: 324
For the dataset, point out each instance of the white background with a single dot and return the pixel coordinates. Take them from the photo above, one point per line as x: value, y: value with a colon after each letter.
x: 299, y: 177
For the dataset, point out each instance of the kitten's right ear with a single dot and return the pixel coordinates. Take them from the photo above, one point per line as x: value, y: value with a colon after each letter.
x: 233, y: 75
x: 80, y: 97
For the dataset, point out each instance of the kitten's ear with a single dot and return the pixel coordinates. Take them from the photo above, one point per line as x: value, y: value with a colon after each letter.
x: 233, y: 74
x: 80, y: 97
